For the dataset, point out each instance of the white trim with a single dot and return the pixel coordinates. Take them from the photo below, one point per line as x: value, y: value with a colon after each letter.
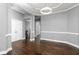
x: 66, y: 9
x: 72, y: 7
x: 41, y: 14
x: 7, y: 35
x: 6, y: 51
x: 24, y: 39
x: 53, y: 40
x: 17, y: 40
x: 63, y: 10
x: 32, y: 39
x: 60, y: 32
x: 61, y: 42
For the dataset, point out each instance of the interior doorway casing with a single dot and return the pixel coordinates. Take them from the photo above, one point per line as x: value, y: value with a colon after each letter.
x: 37, y: 34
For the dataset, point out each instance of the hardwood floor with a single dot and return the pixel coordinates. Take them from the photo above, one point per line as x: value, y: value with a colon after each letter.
x: 46, y: 48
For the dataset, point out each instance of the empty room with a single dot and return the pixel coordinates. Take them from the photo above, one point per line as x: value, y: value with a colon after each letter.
x: 39, y: 28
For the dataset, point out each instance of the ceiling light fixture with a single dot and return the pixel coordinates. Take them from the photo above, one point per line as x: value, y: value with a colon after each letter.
x: 46, y: 10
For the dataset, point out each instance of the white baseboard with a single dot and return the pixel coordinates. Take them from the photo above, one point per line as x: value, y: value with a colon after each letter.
x: 61, y: 42
x: 6, y: 51
x: 18, y: 40
x: 23, y: 39
x: 32, y: 39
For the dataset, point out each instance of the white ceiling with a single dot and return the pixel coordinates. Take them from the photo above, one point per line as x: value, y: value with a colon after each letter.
x: 34, y: 8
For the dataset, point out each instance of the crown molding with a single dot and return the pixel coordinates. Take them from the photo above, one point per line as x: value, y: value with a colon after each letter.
x: 32, y: 13
x: 67, y: 9
x: 62, y: 10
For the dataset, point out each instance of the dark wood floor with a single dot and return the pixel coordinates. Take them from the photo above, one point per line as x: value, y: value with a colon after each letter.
x: 46, y: 48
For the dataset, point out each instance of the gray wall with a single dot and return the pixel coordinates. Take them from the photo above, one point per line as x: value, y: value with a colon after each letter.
x: 73, y: 25
x: 5, y: 42
x: 61, y: 22
x: 56, y: 22
x: 73, y: 20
